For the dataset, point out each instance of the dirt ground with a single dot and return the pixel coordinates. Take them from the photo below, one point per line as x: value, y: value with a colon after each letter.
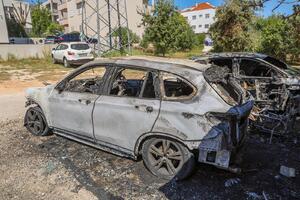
x: 57, y: 168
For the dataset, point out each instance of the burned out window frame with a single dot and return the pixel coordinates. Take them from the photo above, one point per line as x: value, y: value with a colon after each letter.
x: 107, y: 66
x: 162, y: 88
x: 272, y: 67
x: 117, y: 67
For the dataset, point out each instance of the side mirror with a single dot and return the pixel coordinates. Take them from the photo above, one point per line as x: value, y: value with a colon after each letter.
x: 61, y: 87
x: 53, y: 49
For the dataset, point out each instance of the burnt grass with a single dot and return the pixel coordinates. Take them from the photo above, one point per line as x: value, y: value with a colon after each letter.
x: 111, y: 177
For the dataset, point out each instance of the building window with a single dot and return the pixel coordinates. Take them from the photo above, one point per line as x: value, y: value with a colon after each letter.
x: 193, y: 27
x: 206, y: 26
x: 200, y: 16
x: 194, y: 17
x: 206, y: 16
x: 200, y: 26
x: 79, y: 7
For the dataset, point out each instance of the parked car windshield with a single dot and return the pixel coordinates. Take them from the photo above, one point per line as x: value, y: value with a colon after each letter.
x: 80, y: 46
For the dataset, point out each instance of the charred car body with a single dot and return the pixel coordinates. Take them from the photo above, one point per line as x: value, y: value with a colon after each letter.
x: 163, y: 110
x: 273, y: 85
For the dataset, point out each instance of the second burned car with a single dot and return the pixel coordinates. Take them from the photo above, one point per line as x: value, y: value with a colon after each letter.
x: 274, y: 85
x: 164, y: 111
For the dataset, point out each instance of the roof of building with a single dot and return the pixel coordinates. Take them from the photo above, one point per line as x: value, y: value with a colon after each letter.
x: 199, y: 6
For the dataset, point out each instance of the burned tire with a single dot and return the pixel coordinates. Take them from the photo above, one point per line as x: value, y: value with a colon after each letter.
x: 167, y: 158
x: 35, y: 122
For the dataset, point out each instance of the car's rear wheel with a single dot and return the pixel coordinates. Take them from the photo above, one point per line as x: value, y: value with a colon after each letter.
x: 35, y: 122
x: 167, y: 158
x: 66, y: 62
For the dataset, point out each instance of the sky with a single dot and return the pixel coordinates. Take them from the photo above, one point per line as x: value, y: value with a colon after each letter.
x: 267, y: 11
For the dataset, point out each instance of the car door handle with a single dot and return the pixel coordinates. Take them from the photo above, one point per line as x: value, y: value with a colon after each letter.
x: 86, y: 101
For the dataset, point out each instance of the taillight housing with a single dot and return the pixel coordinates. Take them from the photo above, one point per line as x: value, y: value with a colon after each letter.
x: 70, y: 53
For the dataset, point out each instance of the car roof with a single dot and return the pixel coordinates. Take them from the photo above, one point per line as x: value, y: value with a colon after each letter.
x: 183, y: 67
x: 73, y: 43
x: 230, y: 55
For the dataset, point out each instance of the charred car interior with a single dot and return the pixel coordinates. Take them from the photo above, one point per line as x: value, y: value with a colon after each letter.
x: 273, y: 85
x: 170, y: 113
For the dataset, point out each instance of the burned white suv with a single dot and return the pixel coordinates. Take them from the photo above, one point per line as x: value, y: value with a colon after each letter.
x: 162, y: 110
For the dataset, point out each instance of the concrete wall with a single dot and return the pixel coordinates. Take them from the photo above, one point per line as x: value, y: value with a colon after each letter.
x: 20, y: 51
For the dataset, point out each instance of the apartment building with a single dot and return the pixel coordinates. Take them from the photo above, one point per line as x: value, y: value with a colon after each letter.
x: 3, y: 26
x: 20, y: 11
x: 69, y: 14
x: 52, y: 6
x: 200, y: 16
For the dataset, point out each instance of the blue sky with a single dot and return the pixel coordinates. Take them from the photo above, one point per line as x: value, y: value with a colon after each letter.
x: 267, y: 11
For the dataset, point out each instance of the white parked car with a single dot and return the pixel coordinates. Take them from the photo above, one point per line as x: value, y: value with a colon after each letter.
x: 72, y: 53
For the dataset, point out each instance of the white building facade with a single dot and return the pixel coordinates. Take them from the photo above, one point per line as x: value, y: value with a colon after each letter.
x: 200, y: 17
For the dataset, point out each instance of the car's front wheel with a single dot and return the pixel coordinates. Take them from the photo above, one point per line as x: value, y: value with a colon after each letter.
x: 66, y: 63
x: 53, y: 60
x: 35, y: 122
x: 167, y: 158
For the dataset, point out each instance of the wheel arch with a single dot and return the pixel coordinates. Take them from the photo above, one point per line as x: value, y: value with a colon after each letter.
x: 141, y: 140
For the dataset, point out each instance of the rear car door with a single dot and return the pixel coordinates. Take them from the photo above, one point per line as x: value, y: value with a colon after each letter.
x: 72, y: 102
x: 128, y: 110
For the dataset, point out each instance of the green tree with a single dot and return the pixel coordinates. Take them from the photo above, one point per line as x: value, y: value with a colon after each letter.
x: 233, y: 29
x: 54, y: 29
x: 293, y: 34
x: 41, y: 19
x: 166, y: 29
x: 15, y: 29
x: 274, y: 40
x: 134, y: 38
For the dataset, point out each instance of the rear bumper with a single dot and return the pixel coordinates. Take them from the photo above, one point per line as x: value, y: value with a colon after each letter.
x: 225, y: 138
x: 80, y: 61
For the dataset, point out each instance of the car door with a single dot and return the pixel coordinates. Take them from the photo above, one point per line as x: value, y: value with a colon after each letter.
x: 72, y: 102
x: 56, y: 52
x: 128, y: 109
x: 62, y: 51
x: 261, y: 80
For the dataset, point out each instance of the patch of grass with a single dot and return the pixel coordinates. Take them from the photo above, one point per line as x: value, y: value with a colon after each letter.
x: 4, y: 76
x: 139, y: 52
x: 30, y: 64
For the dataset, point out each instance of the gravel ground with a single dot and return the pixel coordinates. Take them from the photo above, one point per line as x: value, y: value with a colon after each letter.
x: 56, y: 168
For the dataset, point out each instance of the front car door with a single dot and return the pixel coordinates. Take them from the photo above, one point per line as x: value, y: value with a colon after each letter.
x: 262, y: 81
x: 72, y: 102
x: 128, y: 109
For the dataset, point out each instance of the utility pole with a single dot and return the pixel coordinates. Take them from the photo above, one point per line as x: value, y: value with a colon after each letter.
x: 104, y: 20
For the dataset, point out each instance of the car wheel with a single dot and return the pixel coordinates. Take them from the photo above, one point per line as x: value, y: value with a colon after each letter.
x: 167, y: 158
x: 35, y: 122
x: 66, y: 63
x: 53, y: 60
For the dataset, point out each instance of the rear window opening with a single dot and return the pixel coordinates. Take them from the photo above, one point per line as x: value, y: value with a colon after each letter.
x: 176, y: 87
x: 219, y: 78
x: 80, y: 46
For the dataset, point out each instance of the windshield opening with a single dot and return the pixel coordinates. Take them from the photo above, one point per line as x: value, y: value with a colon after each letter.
x: 80, y: 46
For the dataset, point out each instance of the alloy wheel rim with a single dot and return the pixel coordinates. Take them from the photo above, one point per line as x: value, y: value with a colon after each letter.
x: 35, y: 122
x: 165, y: 157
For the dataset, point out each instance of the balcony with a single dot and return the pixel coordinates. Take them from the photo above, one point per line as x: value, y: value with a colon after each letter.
x: 64, y: 22
x: 62, y: 6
